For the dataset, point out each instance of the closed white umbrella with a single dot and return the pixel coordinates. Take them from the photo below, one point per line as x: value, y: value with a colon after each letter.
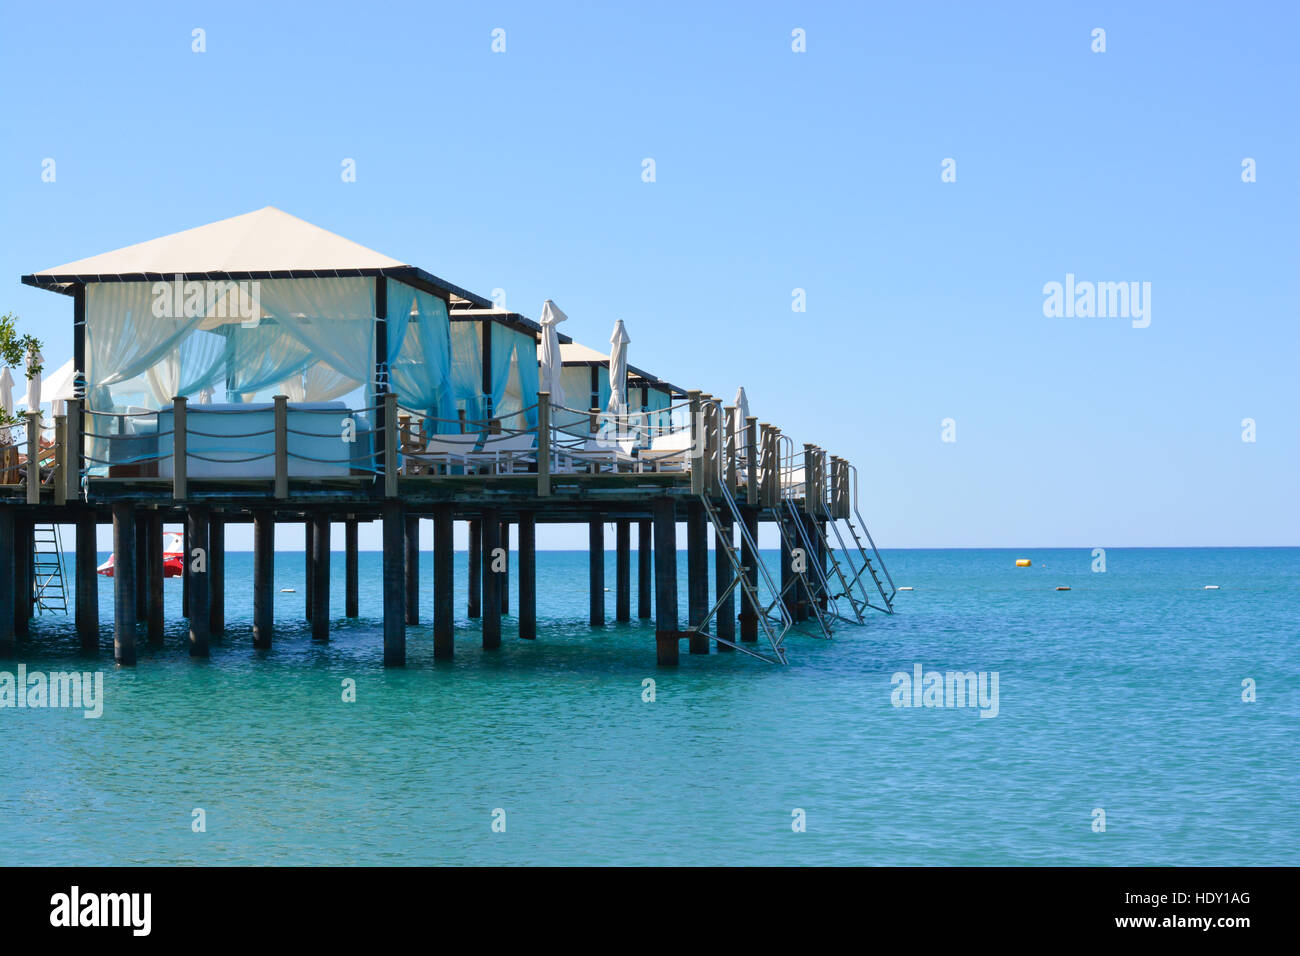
x: 741, y: 402
x: 6, y: 391
x: 618, y: 370
x: 552, y: 366
x: 34, y: 382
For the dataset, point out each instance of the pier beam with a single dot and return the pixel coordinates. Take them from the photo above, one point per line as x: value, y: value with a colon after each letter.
x: 748, y: 558
x: 185, y: 567
x: 87, y: 583
x: 24, y: 529
x: 623, y: 570
x: 263, y: 577
x: 491, y: 528
x: 308, y: 575
x: 788, y: 579
x: 527, y: 575
x: 596, y: 571
x: 320, y: 577
x: 394, y: 590
x: 475, y: 569
x: 724, y: 625
x: 154, y: 573
x: 412, y: 548
x: 697, y: 573
x: 8, y: 597
x: 665, y: 564
x: 644, y: 561
x: 351, y: 606
x: 142, y: 524
x: 197, y: 521
x: 217, y: 575
x: 505, y: 567
x: 444, y: 605
x: 123, y: 583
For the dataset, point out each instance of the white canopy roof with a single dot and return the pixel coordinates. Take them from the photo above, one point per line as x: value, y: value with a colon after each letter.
x: 267, y: 240
x: 576, y: 353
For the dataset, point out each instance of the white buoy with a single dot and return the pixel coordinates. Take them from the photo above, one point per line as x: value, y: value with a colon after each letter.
x: 1211, y: 587
x: 287, y: 591
x: 905, y: 589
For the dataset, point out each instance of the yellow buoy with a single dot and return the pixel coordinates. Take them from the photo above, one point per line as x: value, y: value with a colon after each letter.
x: 1022, y: 562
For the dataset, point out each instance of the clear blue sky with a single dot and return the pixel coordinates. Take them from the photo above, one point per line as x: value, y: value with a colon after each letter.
x: 775, y: 170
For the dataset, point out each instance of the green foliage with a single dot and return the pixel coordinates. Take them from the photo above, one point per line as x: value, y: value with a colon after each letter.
x: 14, y: 350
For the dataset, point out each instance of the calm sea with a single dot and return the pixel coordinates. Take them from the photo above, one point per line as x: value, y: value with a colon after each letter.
x: 1123, y: 694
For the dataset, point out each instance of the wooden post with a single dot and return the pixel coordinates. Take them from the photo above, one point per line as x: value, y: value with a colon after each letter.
x: 543, y: 444
x: 394, y: 591
x: 392, y: 464
x: 60, y: 459
x: 123, y: 583
x: 725, y: 622
x: 666, y: 622
x: 444, y: 609
x: 281, y: 446
x: 217, y: 576
x: 475, y: 568
x: 8, y: 595
x: 527, y: 575
x: 320, y: 584
x: 180, y: 450
x: 198, y: 516
x: 87, y: 583
x: 308, y: 566
x: 142, y: 522
x: 731, y: 419
x: 412, y: 548
x: 33, y: 458
x: 697, y: 573
x: 505, y: 567
x: 751, y: 461
x: 491, y: 523
x: 623, y: 570
x: 72, y: 450
x: 263, y: 577
x: 749, y: 560
x: 596, y: 570
x: 155, y: 573
x: 697, y: 459
x: 351, y: 603
x: 23, y: 538
x: 644, y: 562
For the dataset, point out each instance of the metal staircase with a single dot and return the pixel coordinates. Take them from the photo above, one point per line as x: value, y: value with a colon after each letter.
x: 794, y: 532
x: 48, y: 590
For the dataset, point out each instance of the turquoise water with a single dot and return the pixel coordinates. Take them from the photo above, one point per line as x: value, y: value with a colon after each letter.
x: 1122, y: 694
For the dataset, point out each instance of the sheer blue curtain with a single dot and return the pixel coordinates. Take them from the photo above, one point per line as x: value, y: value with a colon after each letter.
x: 421, y: 364
x: 467, y: 367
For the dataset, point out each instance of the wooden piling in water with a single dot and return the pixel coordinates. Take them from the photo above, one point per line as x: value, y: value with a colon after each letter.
x: 412, y: 565
x: 748, y: 558
x: 197, y: 520
x: 394, y: 589
x: 8, y: 596
x: 491, y: 528
x: 665, y: 566
x: 87, y: 589
x: 185, y: 567
x: 320, y: 584
x: 142, y: 520
x: 351, y: 603
x: 444, y: 605
x: 123, y: 583
x: 308, y: 575
x: 527, y: 575
x: 263, y: 577
x: 23, y: 557
x: 644, y: 563
x: 596, y: 571
x: 723, y: 573
x: 155, y: 573
x: 217, y: 575
x: 623, y: 570
x: 475, y: 608
x: 505, y: 567
x: 697, y: 573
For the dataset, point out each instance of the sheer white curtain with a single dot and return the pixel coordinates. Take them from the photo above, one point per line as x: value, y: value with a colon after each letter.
x: 197, y: 363
x: 333, y: 319
x: 124, y: 339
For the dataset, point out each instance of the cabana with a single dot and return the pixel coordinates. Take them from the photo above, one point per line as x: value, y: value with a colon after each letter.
x: 228, y: 315
x: 585, y: 377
